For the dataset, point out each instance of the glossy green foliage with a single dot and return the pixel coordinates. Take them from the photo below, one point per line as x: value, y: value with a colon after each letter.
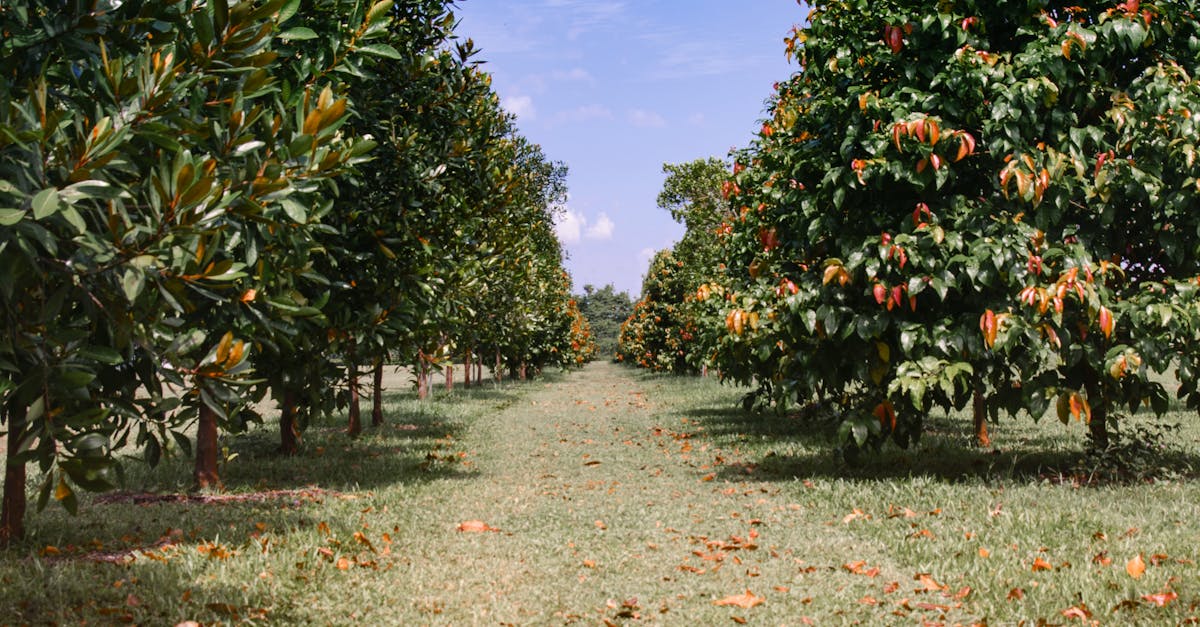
x: 659, y: 333
x: 970, y: 197
x: 606, y: 309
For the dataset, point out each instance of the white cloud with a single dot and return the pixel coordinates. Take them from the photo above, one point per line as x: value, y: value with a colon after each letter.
x: 574, y: 74
x: 602, y: 229
x: 696, y: 119
x: 646, y: 119
x: 573, y: 227
x: 569, y: 226
x: 520, y: 106
x: 585, y: 113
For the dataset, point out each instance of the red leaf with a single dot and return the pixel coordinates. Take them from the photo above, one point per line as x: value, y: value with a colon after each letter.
x: 1079, y: 611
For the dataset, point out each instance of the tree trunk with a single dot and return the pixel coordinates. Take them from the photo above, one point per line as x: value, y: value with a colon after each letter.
x: 422, y: 377
x: 355, y: 417
x: 979, y: 405
x: 1098, y: 425
x: 479, y: 370
x: 289, y: 431
x: 522, y: 371
x: 467, y: 370
x: 205, y: 472
x: 496, y: 373
x: 450, y: 377
x: 12, y: 512
x: 377, y: 393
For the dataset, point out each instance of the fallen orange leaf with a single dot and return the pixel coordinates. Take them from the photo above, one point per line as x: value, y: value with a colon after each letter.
x: 1079, y: 611
x: 984, y: 552
x: 1041, y: 564
x: 475, y: 526
x: 1136, y: 567
x: 928, y: 583
x: 1016, y: 594
x: 343, y: 563
x: 744, y: 601
x: 1162, y: 598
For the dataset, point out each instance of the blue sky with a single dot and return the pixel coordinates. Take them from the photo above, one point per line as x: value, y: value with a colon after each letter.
x: 616, y: 88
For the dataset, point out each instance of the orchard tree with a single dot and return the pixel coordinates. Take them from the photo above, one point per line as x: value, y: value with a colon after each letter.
x: 658, y: 334
x: 606, y: 310
x: 692, y: 194
x: 152, y: 151
x: 661, y: 331
x: 970, y: 203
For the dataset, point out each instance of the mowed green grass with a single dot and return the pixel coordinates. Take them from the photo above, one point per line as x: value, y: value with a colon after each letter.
x: 614, y: 495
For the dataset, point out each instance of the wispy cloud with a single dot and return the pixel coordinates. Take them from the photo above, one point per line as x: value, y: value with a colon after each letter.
x: 582, y: 114
x: 602, y: 229
x: 573, y: 74
x: 573, y: 227
x: 569, y: 226
x: 583, y: 16
x: 520, y: 106
x: 646, y: 119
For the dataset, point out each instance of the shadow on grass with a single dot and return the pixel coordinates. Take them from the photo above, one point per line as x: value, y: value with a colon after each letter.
x: 789, y: 447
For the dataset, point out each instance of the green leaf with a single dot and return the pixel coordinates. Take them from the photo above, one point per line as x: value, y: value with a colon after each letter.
x: 74, y: 219
x: 288, y: 10
x: 45, y: 203
x: 294, y: 210
x: 380, y: 50
x: 379, y: 11
x: 132, y: 283
x: 9, y: 217
x: 299, y: 33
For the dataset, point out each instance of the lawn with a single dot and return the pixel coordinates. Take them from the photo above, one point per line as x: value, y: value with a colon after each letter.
x: 610, y: 495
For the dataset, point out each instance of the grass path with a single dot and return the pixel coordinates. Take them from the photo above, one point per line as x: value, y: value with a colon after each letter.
x: 614, y: 496
x: 608, y: 508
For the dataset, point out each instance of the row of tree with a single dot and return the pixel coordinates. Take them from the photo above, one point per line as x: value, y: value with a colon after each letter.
x: 203, y: 203
x: 966, y: 205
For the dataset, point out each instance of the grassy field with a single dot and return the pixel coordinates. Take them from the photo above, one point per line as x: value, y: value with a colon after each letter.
x: 613, y: 496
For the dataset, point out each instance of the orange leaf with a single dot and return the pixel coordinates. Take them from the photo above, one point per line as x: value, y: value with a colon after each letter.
x: 1079, y: 611
x: 744, y: 601
x: 475, y: 526
x: 1136, y: 567
x: 987, y: 324
x: 831, y: 272
x: 1106, y: 321
x: 984, y: 552
x: 928, y: 583
x: 343, y: 563
x: 1041, y: 564
x: 1016, y: 594
x: 1162, y: 598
